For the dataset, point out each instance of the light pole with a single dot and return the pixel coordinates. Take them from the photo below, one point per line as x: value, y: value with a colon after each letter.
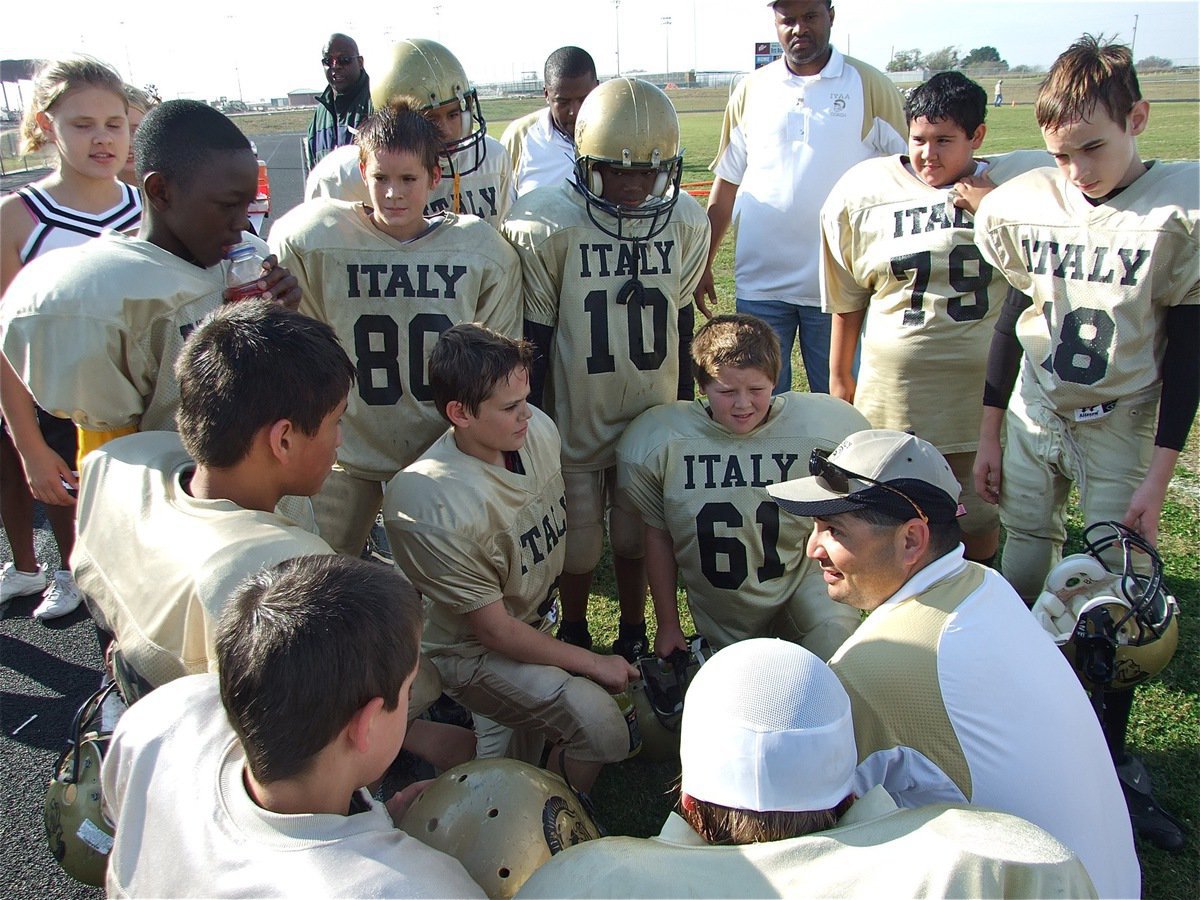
x: 666, y: 20
x: 617, y: 8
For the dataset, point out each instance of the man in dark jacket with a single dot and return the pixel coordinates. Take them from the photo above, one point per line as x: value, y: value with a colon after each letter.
x: 343, y: 105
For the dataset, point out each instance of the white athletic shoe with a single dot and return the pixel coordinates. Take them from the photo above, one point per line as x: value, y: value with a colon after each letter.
x: 62, y: 598
x: 14, y: 583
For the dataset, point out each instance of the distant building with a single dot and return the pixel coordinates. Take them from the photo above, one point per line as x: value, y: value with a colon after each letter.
x: 303, y: 97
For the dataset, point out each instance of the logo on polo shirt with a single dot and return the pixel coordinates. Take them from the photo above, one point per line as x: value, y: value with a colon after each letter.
x: 839, y: 104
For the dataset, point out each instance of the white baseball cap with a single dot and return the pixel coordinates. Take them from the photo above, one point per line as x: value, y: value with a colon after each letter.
x: 889, y: 471
x: 767, y: 727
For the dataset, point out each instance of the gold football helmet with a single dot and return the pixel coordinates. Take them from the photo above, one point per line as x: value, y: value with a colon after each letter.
x: 658, y: 697
x: 501, y: 819
x: 78, y: 834
x: 430, y: 74
x: 1109, y: 610
x: 628, y: 123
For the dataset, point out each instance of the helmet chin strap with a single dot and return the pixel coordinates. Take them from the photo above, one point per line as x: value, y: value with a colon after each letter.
x: 633, y: 291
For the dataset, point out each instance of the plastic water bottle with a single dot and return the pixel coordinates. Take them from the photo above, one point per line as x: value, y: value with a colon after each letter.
x: 245, y: 272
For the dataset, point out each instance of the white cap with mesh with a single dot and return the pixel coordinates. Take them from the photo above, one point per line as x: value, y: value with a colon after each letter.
x: 767, y: 726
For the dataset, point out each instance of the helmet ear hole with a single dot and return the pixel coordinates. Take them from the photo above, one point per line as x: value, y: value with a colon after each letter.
x: 595, y: 182
x: 660, y: 184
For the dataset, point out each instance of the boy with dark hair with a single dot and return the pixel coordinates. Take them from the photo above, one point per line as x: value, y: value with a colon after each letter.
x: 1103, y: 259
x: 898, y: 251
x: 250, y: 783
x: 94, y: 332
x: 262, y: 392
x: 696, y: 472
x: 610, y: 261
x: 478, y: 524
x: 389, y: 279
x: 542, y: 144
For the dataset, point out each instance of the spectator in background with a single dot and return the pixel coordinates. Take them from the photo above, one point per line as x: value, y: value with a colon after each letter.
x: 791, y: 130
x: 342, y: 105
x: 542, y: 144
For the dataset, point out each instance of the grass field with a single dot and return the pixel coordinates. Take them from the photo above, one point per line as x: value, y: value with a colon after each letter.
x: 634, y: 797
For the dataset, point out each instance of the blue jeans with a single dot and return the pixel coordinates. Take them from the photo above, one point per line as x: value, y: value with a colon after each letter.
x: 786, y: 319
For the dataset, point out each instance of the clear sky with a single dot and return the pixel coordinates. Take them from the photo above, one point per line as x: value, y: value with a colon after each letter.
x: 272, y: 46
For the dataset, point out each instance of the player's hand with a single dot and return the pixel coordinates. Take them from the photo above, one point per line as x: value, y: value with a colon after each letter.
x: 612, y: 673
x: 49, y: 476
x: 970, y: 190
x: 705, y: 290
x: 398, y: 804
x: 1144, y: 512
x: 987, y: 470
x: 279, y: 284
x: 668, y: 639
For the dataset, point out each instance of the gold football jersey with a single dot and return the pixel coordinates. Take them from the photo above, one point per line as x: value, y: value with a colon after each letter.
x: 159, y: 563
x: 467, y: 534
x: 740, y: 558
x: 94, y: 330
x: 612, y: 357
x: 1101, y: 277
x: 892, y: 245
x: 487, y: 192
x: 389, y: 301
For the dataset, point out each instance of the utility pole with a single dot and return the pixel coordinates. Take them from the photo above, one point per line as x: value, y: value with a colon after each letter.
x: 666, y: 20
x: 1133, y: 43
x: 617, y: 8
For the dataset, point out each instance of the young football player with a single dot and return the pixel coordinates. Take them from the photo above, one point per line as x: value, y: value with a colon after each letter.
x: 78, y: 107
x: 113, y: 313
x: 696, y: 473
x: 478, y: 524
x: 249, y: 782
x: 610, y: 261
x: 898, y: 252
x: 476, y: 169
x: 262, y: 391
x: 1104, y: 263
x: 390, y: 279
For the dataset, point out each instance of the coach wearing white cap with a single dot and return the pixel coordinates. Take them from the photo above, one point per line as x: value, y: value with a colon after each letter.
x: 958, y: 694
x: 766, y: 809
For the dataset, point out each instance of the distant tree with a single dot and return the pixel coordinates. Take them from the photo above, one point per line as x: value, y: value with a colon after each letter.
x: 941, y: 60
x: 905, y: 61
x: 1024, y: 69
x: 1154, y: 62
x: 987, y: 58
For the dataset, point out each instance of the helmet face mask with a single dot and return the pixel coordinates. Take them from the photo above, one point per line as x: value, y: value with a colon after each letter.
x: 628, y: 124
x: 659, y: 697
x: 1109, y: 610
x: 428, y: 73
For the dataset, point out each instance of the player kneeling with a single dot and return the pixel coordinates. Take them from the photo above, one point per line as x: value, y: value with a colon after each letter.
x: 478, y: 524
x: 696, y: 472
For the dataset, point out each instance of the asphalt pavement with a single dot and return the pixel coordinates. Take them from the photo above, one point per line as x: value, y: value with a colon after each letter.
x: 48, y: 670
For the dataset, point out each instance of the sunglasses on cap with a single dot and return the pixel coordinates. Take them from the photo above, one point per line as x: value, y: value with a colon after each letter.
x: 328, y: 61
x: 837, y: 479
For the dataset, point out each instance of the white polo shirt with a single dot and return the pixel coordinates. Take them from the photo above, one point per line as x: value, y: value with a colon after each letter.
x: 786, y: 140
x: 541, y: 154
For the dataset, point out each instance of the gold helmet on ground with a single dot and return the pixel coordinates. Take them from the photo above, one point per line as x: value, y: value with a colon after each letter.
x: 501, y: 819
